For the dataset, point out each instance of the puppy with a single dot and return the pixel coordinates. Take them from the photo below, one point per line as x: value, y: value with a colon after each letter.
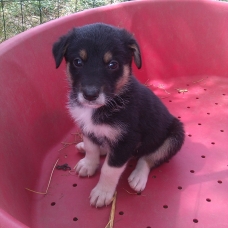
x: 116, y: 114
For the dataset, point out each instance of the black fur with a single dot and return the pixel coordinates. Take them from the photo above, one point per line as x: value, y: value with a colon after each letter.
x: 145, y: 121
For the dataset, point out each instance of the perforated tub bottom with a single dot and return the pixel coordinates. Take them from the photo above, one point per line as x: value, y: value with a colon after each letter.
x: 188, y: 191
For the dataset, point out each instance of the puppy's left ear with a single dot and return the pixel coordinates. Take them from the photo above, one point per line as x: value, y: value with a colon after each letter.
x: 134, y: 47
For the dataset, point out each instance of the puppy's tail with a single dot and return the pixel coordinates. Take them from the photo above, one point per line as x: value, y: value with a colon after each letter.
x: 176, y: 136
x: 170, y: 147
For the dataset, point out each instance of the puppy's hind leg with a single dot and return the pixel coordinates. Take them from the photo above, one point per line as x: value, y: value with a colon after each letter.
x: 168, y: 149
x: 81, y: 148
x: 138, y: 178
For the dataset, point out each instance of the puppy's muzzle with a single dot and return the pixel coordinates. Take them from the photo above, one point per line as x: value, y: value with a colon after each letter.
x: 90, y: 93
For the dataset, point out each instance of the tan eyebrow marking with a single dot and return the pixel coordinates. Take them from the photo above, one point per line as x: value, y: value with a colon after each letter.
x: 83, y: 54
x: 107, y: 57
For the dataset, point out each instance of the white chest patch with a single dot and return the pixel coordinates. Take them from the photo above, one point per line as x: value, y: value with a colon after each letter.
x: 83, y: 117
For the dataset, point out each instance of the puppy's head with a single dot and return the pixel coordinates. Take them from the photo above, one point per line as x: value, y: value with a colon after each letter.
x: 98, y: 58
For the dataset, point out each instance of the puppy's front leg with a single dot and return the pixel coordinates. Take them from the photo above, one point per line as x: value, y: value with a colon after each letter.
x: 88, y: 165
x: 103, y: 193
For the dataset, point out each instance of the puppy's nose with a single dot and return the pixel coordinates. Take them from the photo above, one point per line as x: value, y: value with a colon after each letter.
x: 90, y: 93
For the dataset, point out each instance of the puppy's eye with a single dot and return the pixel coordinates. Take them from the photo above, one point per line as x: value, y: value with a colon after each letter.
x: 113, y: 65
x: 77, y: 63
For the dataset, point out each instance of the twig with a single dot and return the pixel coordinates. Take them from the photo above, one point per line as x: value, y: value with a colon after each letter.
x: 164, y: 97
x: 133, y: 193
x: 161, y: 86
x: 146, y: 83
x: 44, y: 193
x: 77, y: 134
x: 112, y: 214
x: 73, y: 171
x: 182, y: 90
x: 199, y: 80
x: 66, y: 144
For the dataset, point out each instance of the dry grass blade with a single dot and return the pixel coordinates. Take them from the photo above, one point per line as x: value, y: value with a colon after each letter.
x: 133, y: 193
x: 112, y: 214
x: 161, y: 86
x: 199, y: 80
x: 182, y: 90
x: 66, y: 144
x: 49, y: 182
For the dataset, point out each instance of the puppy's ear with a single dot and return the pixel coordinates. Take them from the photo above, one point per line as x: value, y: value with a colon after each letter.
x: 59, y: 49
x: 133, y: 45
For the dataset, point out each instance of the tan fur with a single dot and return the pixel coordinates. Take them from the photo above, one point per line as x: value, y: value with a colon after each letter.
x: 83, y: 54
x: 124, y: 79
x: 107, y: 57
x: 162, y: 152
x: 68, y: 73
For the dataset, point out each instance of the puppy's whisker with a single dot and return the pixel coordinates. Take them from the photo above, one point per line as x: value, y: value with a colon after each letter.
x: 116, y: 103
x: 112, y: 104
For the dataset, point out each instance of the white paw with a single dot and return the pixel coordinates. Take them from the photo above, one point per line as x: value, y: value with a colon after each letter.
x: 101, y: 195
x: 86, y: 167
x: 80, y: 147
x: 138, y: 179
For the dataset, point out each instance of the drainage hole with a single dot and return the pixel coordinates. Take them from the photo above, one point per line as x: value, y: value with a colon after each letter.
x: 188, y: 107
x: 222, y: 130
x: 205, y: 89
x: 121, y: 213
x: 192, y: 171
x: 203, y: 156
x: 170, y: 101
x: 179, y: 187
x: 224, y: 94
x: 219, y: 181
x: 216, y: 103
x: 213, y: 143
x: 208, y: 113
x: 199, y: 124
x: 208, y: 200
x: 148, y: 227
x: 75, y: 185
x: 75, y: 219
x: 195, y: 220
x: 189, y: 135
x: 53, y: 204
x: 165, y: 206
x: 139, y: 193
x: 197, y: 97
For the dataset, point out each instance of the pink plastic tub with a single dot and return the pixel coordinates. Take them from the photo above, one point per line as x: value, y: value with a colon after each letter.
x: 185, y: 62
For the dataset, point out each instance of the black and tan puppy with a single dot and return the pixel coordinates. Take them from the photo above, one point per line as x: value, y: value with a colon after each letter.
x: 117, y: 115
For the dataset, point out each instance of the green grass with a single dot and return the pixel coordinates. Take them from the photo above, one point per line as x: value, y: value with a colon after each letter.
x: 19, y: 15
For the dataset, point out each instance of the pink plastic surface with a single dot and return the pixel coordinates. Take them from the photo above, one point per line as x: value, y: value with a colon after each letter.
x: 185, y: 62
